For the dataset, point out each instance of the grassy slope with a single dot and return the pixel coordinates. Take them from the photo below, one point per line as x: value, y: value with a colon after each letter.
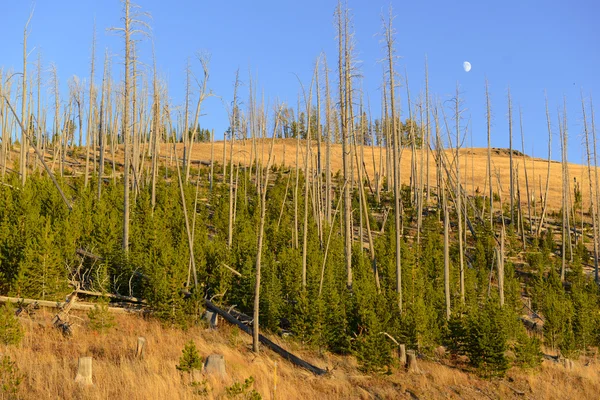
x: 473, y: 164
x: 49, y: 363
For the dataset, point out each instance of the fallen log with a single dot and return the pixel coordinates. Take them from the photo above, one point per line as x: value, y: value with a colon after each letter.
x: 85, y: 253
x: 59, y: 305
x: 268, y: 343
x: 112, y: 296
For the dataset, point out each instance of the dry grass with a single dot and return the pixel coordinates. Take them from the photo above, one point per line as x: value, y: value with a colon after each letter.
x: 49, y: 364
x: 473, y: 163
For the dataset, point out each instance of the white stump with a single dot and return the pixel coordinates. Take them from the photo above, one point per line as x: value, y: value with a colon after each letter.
x: 84, y: 371
x: 140, y: 348
x: 402, y: 354
x: 411, y: 363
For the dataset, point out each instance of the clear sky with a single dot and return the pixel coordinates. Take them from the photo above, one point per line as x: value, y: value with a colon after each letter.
x: 531, y: 45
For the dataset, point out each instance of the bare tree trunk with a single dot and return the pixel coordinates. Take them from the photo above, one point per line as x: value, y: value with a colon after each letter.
x: 90, y: 112
x: 389, y: 39
x: 212, y: 159
x: 101, y: 127
x: 510, y: 140
x: 24, y: 119
x: 545, y: 202
x: 328, y: 197
x: 234, y: 122
x: 446, y: 248
x: 525, y: 170
x: 501, y: 267
x: 344, y: 80
x: 156, y: 132
x: 263, y: 193
x: 459, y: 207
x: 597, y: 190
x: 489, y: 152
x: 427, y: 133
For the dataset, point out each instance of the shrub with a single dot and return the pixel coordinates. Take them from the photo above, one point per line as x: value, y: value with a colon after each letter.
x: 101, y: 320
x: 190, y: 358
x: 10, y: 379
x: 242, y: 390
x: 11, y: 331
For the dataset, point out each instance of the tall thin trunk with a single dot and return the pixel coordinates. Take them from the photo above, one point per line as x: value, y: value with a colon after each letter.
x: 234, y: 121
x: 125, y: 128
x: 526, y: 174
x: 90, y: 112
x: 389, y: 40
x: 101, y: 127
x: 344, y: 80
x: 261, y: 228
x: 489, y: 151
x: 597, y: 185
x: 545, y: 202
x: 24, y: 143
x: 459, y: 207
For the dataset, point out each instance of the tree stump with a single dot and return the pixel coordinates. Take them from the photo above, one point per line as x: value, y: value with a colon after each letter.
x: 140, y: 348
x: 212, y: 318
x: 568, y: 364
x: 440, y: 352
x: 215, y: 365
x: 84, y: 371
x: 402, y: 354
x: 411, y: 363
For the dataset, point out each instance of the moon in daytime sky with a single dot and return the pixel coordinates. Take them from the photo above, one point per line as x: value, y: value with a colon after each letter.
x: 467, y: 66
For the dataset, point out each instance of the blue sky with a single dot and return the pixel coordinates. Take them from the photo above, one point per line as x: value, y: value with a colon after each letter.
x: 530, y: 45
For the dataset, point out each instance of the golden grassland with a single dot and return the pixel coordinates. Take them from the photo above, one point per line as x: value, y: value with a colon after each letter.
x: 473, y: 165
x: 48, y: 362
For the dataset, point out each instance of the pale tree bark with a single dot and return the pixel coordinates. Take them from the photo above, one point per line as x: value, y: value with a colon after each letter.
x: 90, y: 113
x: 307, y: 102
x: 459, y: 208
x: 156, y: 128
x: 389, y: 43
x: 24, y: 120
x: 101, y: 126
x: 529, y: 195
x: 510, y: 141
x: 233, y: 119
x: 446, y: 246
x: 328, y: 122
x: 597, y: 185
x: 545, y: 199
x: 344, y: 80
x: 489, y: 151
x: 261, y: 228
x: 427, y: 132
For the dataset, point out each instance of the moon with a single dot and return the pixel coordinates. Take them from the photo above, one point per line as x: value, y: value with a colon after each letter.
x: 467, y: 66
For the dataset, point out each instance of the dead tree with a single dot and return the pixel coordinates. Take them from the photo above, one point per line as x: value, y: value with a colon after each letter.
x: 489, y: 151
x: 389, y: 43
x: 545, y: 198
x: 261, y: 228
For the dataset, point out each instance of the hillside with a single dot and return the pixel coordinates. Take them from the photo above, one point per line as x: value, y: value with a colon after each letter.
x: 473, y: 163
x: 49, y: 362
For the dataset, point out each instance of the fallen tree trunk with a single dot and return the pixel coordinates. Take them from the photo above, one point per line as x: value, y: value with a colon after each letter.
x: 59, y: 305
x: 268, y: 343
x: 112, y: 296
